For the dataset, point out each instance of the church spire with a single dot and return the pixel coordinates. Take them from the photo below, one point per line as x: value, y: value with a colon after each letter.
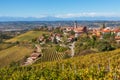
x: 75, y: 24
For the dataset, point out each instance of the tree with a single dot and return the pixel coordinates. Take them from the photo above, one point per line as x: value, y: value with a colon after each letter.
x: 55, y: 40
x: 60, y: 48
x: 58, y: 30
x: 104, y: 46
x: 72, y: 32
x: 109, y: 36
x: 92, y: 41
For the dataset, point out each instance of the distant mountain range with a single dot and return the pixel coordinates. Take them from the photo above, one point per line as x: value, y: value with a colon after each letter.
x: 49, y: 18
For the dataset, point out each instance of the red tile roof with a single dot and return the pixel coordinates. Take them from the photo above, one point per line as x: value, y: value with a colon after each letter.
x: 116, y: 30
x: 71, y: 36
x: 35, y: 55
x: 79, y: 29
x: 106, y: 30
x: 117, y: 38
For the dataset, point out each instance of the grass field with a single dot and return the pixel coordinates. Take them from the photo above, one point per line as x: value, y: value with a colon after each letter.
x: 5, y: 46
x: 28, y: 36
x: 10, y: 53
x: 13, y: 54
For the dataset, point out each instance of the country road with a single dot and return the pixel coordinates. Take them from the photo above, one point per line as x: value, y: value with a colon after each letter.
x: 33, y: 59
x: 72, y: 46
x: 38, y: 48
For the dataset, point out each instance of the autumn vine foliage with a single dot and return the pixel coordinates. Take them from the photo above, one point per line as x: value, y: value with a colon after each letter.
x: 100, y: 66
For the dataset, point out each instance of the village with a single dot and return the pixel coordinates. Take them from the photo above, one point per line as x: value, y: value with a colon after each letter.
x: 67, y: 37
x: 59, y: 39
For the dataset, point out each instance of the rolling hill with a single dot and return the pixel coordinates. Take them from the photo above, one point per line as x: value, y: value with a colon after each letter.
x: 27, y: 37
x: 13, y: 54
x: 51, y: 66
x: 99, y: 66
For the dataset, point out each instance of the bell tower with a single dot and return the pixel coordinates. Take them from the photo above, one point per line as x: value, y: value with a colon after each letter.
x: 75, y: 24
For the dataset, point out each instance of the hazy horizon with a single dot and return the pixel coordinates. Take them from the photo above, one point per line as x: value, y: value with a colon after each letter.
x: 20, y: 10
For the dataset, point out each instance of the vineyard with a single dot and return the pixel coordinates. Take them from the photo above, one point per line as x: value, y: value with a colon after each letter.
x: 50, y: 54
x: 99, y: 66
x: 28, y: 36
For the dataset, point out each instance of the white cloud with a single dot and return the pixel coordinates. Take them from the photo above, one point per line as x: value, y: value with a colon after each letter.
x: 91, y: 14
x: 71, y: 15
x: 39, y: 16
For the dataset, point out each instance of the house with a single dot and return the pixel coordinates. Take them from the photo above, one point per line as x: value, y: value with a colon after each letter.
x: 35, y: 55
x: 71, y: 38
x: 106, y: 30
x: 58, y: 37
x: 32, y: 57
x: 116, y: 31
x: 55, y: 36
x: 68, y: 29
x: 117, y: 38
x: 117, y: 34
x: 29, y: 61
x: 80, y: 30
x: 77, y: 29
x: 97, y: 32
x: 41, y: 38
x: 52, y: 39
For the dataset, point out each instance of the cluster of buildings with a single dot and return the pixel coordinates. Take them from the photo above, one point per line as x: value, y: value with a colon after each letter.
x: 78, y: 30
x: 53, y: 37
x: 99, y: 32
x: 34, y: 56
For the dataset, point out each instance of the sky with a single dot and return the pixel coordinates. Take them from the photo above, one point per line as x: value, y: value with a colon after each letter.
x: 60, y: 8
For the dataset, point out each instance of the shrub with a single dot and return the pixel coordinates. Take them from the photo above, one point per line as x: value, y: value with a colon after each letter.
x: 104, y: 46
x: 60, y: 48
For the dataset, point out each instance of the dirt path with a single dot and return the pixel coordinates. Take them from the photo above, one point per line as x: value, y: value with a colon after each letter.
x: 72, y: 49
x: 32, y: 59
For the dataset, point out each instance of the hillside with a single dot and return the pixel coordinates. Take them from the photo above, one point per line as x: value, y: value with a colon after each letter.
x: 57, y: 59
x: 50, y: 54
x: 28, y: 36
x: 99, y: 66
x: 13, y: 54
